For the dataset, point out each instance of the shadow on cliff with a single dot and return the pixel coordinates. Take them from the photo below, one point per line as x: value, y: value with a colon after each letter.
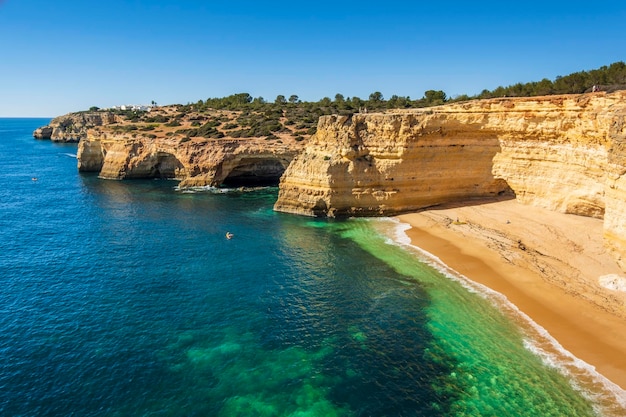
x: 469, y: 202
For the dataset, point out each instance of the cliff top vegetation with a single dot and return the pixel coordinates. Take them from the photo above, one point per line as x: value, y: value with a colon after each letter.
x: 243, y: 116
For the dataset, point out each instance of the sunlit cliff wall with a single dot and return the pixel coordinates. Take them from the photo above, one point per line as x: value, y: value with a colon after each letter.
x: 565, y: 153
x: 201, y: 162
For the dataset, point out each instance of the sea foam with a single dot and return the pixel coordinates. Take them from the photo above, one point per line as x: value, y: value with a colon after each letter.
x: 609, y: 398
x: 217, y: 190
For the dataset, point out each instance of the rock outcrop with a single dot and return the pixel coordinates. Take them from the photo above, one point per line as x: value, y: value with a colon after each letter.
x: 564, y: 153
x: 74, y: 126
x: 196, y: 162
x: 374, y: 164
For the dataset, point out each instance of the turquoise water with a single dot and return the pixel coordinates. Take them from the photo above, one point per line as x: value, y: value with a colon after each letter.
x: 125, y: 299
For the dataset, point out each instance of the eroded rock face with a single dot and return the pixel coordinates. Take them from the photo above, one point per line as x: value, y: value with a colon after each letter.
x: 74, y: 126
x: 615, y: 190
x: 44, y: 132
x: 90, y: 156
x: 196, y: 162
x: 564, y: 153
x: 388, y: 163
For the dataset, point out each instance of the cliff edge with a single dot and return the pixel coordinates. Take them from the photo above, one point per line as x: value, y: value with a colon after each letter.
x: 194, y: 161
x: 565, y: 153
x: 74, y: 126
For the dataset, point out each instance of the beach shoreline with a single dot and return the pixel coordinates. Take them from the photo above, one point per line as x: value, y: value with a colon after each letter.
x: 545, y: 263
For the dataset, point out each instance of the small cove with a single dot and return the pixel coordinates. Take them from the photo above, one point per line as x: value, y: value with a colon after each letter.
x: 125, y: 299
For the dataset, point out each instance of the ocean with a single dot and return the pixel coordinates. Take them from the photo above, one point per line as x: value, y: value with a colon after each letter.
x: 126, y: 299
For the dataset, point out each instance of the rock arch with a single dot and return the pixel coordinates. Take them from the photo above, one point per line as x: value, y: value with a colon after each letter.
x: 166, y: 165
x: 253, y: 171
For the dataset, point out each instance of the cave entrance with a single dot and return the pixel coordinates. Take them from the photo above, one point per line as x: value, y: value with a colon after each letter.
x: 255, y: 172
x: 167, y: 166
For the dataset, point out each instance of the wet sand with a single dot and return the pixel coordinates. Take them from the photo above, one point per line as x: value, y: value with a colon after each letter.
x: 548, y: 264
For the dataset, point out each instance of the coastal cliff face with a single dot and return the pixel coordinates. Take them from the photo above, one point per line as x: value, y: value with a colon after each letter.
x: 615, y: 189
x: 74, y: 126
x: 196, y: 162
x: 374, y: 164
x: 564, y: 153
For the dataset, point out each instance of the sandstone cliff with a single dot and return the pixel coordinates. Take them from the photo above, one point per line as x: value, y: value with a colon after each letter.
x: 564, y: 153
x: 74, y: 126
x: 388, y: 163
x: 196, y: 162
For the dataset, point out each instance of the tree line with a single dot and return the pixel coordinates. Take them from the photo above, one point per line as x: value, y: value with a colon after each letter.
x: 338, y: 105
x: 258, y: 117
x: 606, y: 78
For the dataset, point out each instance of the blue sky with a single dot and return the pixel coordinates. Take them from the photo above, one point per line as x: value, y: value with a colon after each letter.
x: 62, y: 56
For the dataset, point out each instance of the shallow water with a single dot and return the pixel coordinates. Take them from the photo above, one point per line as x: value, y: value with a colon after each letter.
x: 126, y: 299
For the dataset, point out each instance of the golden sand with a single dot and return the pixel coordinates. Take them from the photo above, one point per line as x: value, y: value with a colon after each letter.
x: 548, y: 264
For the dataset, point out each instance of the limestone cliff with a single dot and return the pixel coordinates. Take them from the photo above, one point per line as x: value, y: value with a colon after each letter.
x: 565, y: 153
x: 387, y: 163
x: 74, y: 126
x: 196, y: 162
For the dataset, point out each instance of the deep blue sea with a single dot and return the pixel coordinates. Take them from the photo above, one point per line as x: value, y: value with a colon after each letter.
x: 126, y: 299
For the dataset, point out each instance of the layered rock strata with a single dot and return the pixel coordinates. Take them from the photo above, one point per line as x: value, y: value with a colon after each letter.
x: 564, y: 153
x: 388, y: 163
x: 196, y: 162
x: 74, y: 126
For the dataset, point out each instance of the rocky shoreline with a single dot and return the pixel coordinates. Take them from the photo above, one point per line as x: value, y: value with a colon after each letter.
x: 563, y: 153
x: 554, y: 243
x: 73, y: 127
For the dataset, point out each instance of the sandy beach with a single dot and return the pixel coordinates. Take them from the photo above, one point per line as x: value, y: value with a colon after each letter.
x: 548, y: 264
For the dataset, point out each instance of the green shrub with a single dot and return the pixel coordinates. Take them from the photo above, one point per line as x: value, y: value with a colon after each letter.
x: 157, y: 119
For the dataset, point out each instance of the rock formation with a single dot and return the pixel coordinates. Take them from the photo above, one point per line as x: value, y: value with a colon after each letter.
x: 73, y: 127
x: 378, y: 164
x: 564, y: 153
x: 196, y: 162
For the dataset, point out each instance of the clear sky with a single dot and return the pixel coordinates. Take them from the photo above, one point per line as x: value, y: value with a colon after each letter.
x: 62, y: 56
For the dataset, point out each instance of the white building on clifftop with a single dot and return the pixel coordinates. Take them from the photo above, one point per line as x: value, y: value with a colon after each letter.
x: 134, y: 107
